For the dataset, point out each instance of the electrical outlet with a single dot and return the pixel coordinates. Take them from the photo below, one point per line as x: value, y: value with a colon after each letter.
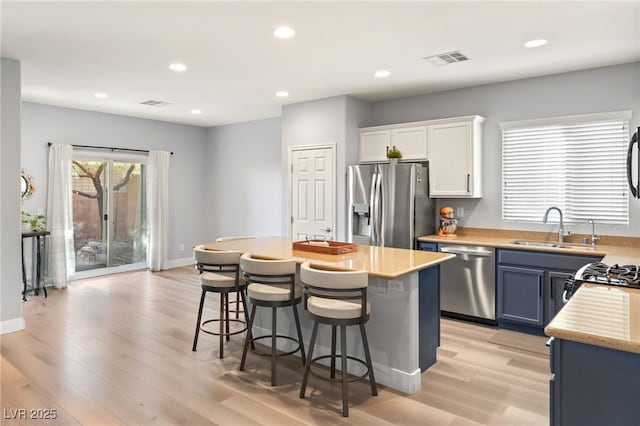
x: 381, y: 286
x: 460, y: 211
x: 181, y: 247
x: 396, y: 285
x: 40, y: 211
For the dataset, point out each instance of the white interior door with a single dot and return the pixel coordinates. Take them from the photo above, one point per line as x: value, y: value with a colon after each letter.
x: 312, y: 192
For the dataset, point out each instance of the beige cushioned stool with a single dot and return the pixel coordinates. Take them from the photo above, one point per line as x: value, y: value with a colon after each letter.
x: 271, y: 284
x: 219, y: 273
x: 237, y: 310
x: 337, y: 298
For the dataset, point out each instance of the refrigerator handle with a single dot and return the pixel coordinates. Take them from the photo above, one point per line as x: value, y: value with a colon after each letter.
x: 380, y: 212
x: 372, y: 208
x: 412, y: 207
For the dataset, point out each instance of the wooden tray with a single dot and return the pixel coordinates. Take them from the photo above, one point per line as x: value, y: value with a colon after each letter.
x: 334, y: 247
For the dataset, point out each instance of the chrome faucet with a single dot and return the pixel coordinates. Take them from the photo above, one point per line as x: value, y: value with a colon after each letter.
x: 561, y: 234
x: 594, y: 237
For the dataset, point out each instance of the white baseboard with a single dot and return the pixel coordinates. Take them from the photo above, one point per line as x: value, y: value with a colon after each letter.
x: 92, y: 273
x: 12, y: 325
x: 404, y: 381
x: 176, y: 263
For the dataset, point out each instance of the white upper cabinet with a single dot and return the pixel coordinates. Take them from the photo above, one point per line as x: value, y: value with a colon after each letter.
x: 410, y: 139
x: 454, y: 149
x: 374, y: 145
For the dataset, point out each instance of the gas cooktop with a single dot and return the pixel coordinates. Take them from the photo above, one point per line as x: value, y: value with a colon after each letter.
x: 625, y: 275
x: 601, y: 273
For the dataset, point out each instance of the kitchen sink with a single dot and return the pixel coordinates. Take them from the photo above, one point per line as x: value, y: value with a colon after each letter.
x: 552, y: 245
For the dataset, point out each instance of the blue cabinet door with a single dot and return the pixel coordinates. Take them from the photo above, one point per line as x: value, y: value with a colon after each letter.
x: 554, y: 284
x: 520, y: 298
x: 593, y: 386
x: 429, y: 310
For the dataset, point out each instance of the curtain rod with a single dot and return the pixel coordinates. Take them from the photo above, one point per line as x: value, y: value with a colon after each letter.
x: 107, y: 147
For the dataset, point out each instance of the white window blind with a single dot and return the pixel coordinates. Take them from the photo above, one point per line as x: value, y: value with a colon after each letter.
x: 574, y: 163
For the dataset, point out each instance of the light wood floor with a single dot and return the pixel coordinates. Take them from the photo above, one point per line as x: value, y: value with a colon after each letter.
x: 117, y: 350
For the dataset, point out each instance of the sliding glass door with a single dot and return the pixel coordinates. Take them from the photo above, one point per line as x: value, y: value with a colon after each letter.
x: 108, y: 213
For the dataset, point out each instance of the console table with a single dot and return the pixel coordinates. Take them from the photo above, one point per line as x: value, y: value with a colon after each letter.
x: 38, y: 239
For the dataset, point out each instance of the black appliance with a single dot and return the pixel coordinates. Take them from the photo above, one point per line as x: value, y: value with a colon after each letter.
x: 601, y: 273
x: 634, y: 187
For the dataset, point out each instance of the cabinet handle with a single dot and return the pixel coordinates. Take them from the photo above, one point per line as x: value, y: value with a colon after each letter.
x: 468, y: 182
x: 540, y: 286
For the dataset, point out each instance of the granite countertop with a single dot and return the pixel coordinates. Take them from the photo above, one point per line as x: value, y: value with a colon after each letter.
x: 383, y: 262
x: 600, y: 315
x: 596, y: 314
x: 620, y: 250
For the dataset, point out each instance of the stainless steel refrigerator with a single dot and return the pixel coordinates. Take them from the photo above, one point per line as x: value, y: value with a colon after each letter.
x: 389, y: 205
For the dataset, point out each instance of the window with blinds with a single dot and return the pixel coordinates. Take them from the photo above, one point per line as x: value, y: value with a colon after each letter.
x: 575, y: 163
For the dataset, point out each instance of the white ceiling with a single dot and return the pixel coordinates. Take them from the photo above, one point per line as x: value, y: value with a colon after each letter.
x: 69, y: 50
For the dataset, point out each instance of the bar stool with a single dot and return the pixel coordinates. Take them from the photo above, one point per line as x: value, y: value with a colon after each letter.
x: 272, y: 285
x: 234, y: 238
x: 337, y: 298
x: 219, y: 273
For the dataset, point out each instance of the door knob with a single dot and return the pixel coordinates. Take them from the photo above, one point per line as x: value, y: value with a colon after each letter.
x: 327, y: 229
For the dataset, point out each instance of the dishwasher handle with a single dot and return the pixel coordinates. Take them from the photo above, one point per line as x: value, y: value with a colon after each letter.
x: 460, y: 250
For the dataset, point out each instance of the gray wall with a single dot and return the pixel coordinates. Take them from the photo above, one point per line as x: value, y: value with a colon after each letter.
x: 243, y: 180
x: 358, y: 114
x: 10, y: 274
x: 187, y: 217
x: 324, y: 121
x: 582, y: 92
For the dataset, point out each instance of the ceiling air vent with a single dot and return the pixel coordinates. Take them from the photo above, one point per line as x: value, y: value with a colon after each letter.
x: 153, y: 103
x: 446, y: 58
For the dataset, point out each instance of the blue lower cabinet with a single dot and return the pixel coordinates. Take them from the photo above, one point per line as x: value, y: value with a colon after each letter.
x: 427, y: 246
x: 429, y: 310
x: 530, y: 286
x: 593, y: 386
x: 520, y: 295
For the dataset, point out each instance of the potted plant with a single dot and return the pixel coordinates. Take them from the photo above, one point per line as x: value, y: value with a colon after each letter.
x: 394, y: 155
x: 32, y: 222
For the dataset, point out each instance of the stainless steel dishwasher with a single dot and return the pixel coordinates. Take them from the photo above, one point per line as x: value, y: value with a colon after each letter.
x: 468, y: 284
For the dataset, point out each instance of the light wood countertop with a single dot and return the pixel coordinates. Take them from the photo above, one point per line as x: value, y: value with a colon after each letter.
x: 600, y: 315
x: 620, y: 250
x: 383, y: 262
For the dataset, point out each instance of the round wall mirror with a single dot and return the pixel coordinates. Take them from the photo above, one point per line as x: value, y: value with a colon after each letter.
x: 27, y: 189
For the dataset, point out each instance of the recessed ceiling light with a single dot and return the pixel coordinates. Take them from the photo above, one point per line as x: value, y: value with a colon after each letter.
x: 535, y: 43
x: 382, y: 73
x: 282, y: 94
x: 100, y: 95
x: 196, y: 111
x: 177, y: 67
x: 284, y: 32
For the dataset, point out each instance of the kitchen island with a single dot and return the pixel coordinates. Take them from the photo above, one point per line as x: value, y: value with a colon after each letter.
x: 404, y: 326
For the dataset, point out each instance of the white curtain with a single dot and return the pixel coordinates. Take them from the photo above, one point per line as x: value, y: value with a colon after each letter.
x: 60, y: 215
x: 157, y: 209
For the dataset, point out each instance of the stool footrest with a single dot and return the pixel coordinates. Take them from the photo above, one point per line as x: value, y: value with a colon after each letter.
x: 329, y: 379
x: 242, y: 330
x: 278, y: 336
